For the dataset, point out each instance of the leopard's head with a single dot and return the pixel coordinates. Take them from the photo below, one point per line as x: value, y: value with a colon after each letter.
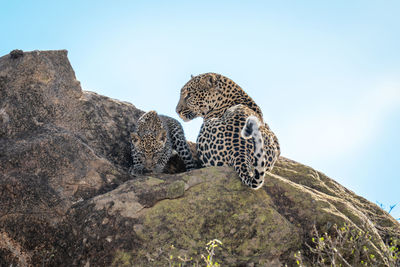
x: 149, y: 140
x: 210, y: 95
x: 199, y: 95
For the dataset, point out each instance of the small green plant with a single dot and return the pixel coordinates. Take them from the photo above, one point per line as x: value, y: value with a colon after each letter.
x: 299, y: 259
x: 347, y: 246
x: 182, y: 261
x: 211, y: 247
x: 394, y: 251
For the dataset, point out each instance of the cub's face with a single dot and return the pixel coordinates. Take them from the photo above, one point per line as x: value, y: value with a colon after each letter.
x: 198, y: 96
x: 149, y: 147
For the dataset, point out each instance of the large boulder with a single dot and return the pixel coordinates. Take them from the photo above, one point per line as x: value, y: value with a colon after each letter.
x: 67, y: 198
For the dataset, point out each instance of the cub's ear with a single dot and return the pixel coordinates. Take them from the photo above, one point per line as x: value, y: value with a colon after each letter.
x: 162, y: 136
x: 135, y: 138
x: 191, y: 76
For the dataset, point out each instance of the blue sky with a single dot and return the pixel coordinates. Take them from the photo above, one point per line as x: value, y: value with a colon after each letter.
x: 325, y: 73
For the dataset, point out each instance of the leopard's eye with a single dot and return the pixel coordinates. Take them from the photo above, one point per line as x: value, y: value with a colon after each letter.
x: 184, y: 93
x: 188, y: 96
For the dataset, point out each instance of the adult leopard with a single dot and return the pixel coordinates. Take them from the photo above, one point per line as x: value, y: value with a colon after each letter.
x: 233, y: 132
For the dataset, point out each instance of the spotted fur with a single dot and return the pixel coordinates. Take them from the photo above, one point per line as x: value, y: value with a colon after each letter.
x: 233, y: 132
x: 155, y: 141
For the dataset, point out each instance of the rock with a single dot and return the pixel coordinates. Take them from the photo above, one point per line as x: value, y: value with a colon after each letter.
x: 67, y: 198
x: 16, y: 53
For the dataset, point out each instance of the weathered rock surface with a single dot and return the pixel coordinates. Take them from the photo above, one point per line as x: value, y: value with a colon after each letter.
x: 67, y: 199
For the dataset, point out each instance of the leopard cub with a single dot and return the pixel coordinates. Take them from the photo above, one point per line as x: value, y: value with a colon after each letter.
x: 154, y: 141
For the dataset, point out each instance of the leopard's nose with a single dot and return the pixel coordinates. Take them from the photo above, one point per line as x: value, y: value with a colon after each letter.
x: 148, y: 164
x: 178, y: 109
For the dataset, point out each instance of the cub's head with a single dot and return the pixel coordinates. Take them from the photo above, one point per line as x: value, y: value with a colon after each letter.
x: 199, y: 95
x: 149, y: 140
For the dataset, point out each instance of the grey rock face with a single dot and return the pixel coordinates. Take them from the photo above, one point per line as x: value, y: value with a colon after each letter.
x: 66, y: 198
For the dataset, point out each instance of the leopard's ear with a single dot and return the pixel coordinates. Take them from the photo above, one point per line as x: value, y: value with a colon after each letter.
x: 135, y: 138
x: 209, y: 80
x: 191, y: 76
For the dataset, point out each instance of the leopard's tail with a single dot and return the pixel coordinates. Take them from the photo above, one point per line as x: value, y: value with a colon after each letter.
x: 251, y: 129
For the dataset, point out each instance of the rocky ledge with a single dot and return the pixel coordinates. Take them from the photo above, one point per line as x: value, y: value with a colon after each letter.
x: 67, y: 199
